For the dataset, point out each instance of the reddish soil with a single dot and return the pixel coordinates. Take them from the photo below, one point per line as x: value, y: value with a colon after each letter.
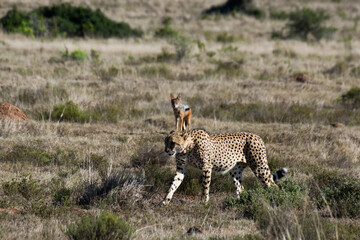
x: 8, y: 111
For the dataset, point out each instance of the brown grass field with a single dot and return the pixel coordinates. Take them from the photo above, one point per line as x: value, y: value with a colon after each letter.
x: 244, y: 84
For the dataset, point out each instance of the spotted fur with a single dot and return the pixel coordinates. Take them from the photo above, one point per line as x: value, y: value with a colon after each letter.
x: 230, y: 152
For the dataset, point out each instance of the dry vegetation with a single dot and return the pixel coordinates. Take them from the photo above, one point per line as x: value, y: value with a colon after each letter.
x: 95, y: 140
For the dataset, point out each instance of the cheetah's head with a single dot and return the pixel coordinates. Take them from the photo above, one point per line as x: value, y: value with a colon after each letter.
x: 176, y: 142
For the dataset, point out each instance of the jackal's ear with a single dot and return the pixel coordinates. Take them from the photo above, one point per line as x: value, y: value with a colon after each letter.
x: 179, y: 96
x: 172, y: 96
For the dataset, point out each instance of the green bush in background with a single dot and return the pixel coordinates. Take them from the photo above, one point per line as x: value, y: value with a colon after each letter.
x: 307, y: 21
x: 105, y: 226
x: 65, y: 20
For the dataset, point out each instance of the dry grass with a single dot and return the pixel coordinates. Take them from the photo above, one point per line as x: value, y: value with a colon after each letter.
x: 130, y: 113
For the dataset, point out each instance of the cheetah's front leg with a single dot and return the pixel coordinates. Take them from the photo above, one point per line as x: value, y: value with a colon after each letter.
x: 206, y: 183
x: 179, y: 177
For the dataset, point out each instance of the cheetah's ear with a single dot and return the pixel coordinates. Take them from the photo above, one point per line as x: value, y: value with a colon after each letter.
x: 171, y: 132
x: 172, y: 96
x: 185, y: 136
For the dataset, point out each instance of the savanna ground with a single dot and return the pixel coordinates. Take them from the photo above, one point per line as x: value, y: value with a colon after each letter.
x: 106, y: 155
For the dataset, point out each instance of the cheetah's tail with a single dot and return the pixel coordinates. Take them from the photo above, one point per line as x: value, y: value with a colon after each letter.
x: 279, y: 174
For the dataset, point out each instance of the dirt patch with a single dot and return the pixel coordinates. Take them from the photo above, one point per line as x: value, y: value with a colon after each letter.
x: 8, y: 111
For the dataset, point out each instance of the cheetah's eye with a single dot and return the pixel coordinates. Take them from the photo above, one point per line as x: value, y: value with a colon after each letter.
x: 172, y: 145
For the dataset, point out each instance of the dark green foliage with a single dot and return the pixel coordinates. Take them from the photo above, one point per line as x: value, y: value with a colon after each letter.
x: 66, y: 20
x: 251, y: 203
x: 225, y: 38
x: 68, y: 111
x: 76, y: 55
x: 62, y: 197
x: 166, y: 31
x: 351, y: 98
x: 337, y: 191
x: 307, y: 21
x: 27, y: 187
x: 231, y: 6
x: 106, y: 226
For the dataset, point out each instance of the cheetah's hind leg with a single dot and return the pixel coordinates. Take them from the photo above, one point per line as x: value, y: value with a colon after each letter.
x: 236, y: 174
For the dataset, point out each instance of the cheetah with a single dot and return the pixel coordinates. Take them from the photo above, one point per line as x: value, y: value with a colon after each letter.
x: 229, y: 152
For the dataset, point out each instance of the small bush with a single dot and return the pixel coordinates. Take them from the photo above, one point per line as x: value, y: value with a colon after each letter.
x: 65, y: 20
x: 62, y: 197
x: 337, y: 191
x: 251, y: 202
x: 76, y: 55
x: 107, y: 75
x: 305, y: 22
x: 225, y: 38
x: 351, y: 98
x: 27, y: 187
x: 105, y: 226
x: 231, y: 6
x: 68, y: 111
x: 166, y: 31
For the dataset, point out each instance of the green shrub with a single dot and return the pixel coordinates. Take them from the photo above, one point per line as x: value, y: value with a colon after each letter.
x: 78, y: 55
x: 251, y: 202
x: 337, y: 191
x: 225, y: 38
x: 351, y: 98
x: 42, y: 209
x: 66, y: 20
x: 68, y: 111
x: 307, y: 21
x: 231, y: 6
x: 26, y: 186
x: 166, y: 31
x: 62, y: 197
x: 105, y: 226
